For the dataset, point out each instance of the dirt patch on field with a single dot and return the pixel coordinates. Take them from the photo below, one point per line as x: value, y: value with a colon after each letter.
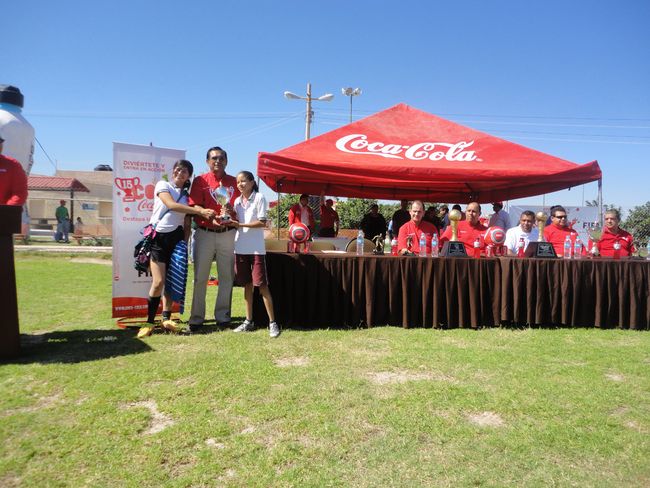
x: 398, y: 377
x: 288, y: 362
x: 486, y: 419
x: 213, y: 443
x: 615, y: 377
x: 10, y: 481
x: 105, y: 262
x: 159, y: 421
x: 41, y: 403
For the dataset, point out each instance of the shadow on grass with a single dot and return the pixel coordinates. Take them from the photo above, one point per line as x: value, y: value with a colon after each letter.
x: 76, y: 346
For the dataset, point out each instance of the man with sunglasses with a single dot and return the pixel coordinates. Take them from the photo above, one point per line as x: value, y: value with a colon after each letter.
x: 558, y: 230
x: 213, y: 241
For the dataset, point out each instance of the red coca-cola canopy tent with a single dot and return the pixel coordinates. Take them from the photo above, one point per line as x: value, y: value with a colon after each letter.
x: 404, y: 153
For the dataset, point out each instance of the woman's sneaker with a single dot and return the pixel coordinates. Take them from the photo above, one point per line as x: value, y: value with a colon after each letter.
x: 274, y: 329
x: 246, y: 326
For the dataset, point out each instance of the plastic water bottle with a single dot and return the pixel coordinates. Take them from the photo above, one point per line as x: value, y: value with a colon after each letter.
x: 520, y: 247
x: 16, y: 130
x: 423, y: 245
x: 393, y: 247
x: 567, y: 247
x: 577, y: 249
x: 360, y: 243
x: 434, y: 245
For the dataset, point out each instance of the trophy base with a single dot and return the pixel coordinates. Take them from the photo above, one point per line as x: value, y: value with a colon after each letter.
x: 537, y: 249
x: 454, y: 249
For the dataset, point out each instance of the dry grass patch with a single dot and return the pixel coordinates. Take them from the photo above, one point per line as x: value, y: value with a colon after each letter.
x: 159, y: 421
x: 289, y: 362
x: 486, y: 419
x: 10, y: 481
x: 42, y: 402
x: 213, y: 443
x: 615, y: 377
x: 399, y: 377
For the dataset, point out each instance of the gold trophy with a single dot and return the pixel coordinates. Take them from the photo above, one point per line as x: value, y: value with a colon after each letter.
x: 540, y: 248
x: 454, y: 248
x: 540, y: 217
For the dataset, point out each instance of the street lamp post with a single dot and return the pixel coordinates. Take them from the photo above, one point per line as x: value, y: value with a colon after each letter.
x: 351, y: 92
x: 323, y: 98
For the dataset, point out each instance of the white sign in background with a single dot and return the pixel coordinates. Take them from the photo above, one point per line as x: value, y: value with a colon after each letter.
x: 136, y: 171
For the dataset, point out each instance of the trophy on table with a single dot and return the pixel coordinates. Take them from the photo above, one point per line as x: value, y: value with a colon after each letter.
x: 540, y: 248
x: 222, y: 196
x: 595, y: 234
x: 454, y: 248
x: 379, y: 245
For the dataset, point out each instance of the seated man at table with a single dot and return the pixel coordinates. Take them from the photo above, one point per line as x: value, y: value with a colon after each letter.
x: 415, y: 228
x: 613, y: 234
x: 524, y: 230
x: 468, y: 230
x: 558, y: 230
x: 373, y: 224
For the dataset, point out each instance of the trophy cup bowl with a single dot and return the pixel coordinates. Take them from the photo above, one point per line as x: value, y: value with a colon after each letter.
x: 379, y: 245
x: 541, y: 218
x: 454, y: 217
x: 222, y: 196
x: 595, y: 234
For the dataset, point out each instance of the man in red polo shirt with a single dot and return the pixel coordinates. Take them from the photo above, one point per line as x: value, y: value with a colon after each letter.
x: 329, y: 218
x: 468, y: 230
x: 414, y: 228
x: 613, y: 235
x: 213, y: 240
x: 558, y: 230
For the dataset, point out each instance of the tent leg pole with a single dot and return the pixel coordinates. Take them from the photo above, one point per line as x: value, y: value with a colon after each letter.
x: 600, y: 202
x: 279, y: 215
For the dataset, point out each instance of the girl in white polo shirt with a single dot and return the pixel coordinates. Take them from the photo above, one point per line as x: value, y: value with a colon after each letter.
x: 250, y: 252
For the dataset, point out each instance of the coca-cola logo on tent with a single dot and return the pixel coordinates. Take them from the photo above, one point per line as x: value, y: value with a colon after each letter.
x: 434, y: 151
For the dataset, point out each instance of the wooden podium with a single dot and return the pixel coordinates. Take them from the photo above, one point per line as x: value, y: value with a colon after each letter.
x: 10, y: 217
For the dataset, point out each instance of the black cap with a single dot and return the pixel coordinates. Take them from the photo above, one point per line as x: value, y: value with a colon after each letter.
x: 11, y: 94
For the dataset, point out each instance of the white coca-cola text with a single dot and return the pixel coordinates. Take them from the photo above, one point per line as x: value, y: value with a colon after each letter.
x: 434, y: 151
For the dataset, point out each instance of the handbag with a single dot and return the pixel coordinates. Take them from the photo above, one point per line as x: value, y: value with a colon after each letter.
x: 142, y: 250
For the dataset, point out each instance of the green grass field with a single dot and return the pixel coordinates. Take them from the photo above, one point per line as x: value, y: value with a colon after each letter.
x: 90, y: 405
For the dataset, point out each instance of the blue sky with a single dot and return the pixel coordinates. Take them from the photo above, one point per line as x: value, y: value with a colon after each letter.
x: 570, y: 78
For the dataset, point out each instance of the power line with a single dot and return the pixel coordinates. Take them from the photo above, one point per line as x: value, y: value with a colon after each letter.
x: 45, y: 152
x: 162, y: 115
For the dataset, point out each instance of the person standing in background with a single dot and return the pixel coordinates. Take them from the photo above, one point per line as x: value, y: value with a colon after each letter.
x: 329, y: 218
x: 62, y: 223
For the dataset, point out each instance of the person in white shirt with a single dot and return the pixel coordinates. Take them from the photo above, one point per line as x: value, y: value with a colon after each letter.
x: 250, y: 251
x: 169, y: 211
x: 524, y: 230
x: 500, y: 217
